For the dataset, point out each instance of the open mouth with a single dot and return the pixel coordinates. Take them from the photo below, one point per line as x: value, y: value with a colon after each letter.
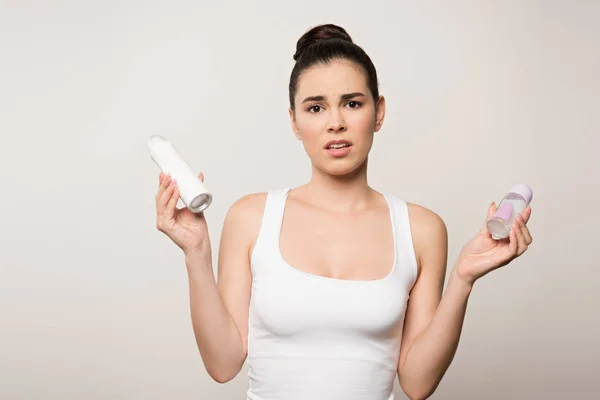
x: 338, y: 146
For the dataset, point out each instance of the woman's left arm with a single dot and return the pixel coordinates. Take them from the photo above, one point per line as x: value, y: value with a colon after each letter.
x: 433, y: 323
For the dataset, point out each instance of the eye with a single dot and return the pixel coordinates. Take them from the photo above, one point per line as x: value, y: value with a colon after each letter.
x: 314, y: 109
x: 354, y: 104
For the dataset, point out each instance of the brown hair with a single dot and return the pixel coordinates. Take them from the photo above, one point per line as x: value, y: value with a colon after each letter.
x: 325, y: 43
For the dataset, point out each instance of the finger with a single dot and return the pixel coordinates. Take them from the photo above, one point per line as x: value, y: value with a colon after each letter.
x: 491, y: 210
x: 165, y: 197
x: 160, y: 206
x: 513, y: 244
x: 172, y: 203
x: 522, y: 246
x: 201, y: 176
x: 526, y: 234
x: 163, y: 185
x: 526, y: 214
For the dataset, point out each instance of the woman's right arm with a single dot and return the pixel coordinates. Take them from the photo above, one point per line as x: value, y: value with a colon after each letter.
x: 220, y: 311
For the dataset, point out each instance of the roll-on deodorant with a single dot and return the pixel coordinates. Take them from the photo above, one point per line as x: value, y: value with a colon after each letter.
x: 514, y: 202
x: 191, y: 190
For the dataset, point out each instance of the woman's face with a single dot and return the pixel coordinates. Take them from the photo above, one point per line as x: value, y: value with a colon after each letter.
x: 333, y: 103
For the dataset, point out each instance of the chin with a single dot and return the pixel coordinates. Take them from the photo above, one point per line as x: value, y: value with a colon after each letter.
x: 341, y: 168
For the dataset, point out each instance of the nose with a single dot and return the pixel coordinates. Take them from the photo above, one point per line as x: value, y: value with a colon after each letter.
x: 336, y: 123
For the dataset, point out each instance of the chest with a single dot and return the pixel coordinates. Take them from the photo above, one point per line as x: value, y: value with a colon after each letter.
x: 357, y: 246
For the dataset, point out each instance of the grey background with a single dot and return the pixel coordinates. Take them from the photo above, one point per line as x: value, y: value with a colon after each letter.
x: 480, y: 95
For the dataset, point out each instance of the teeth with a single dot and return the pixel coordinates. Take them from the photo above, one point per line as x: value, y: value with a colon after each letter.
x: 338, y: 146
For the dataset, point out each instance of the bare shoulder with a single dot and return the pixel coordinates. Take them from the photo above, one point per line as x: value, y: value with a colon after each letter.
x: 246, y: 212
x: 248, y: 205
x: 245, y: 217
x: 423, y: 217
x: 429, y: 233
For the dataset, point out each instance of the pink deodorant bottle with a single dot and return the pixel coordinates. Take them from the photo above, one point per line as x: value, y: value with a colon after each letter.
x: 516, y: 200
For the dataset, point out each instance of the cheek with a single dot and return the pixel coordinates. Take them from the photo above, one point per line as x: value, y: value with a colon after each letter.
x: 311, y: 128
x: 361, y: 121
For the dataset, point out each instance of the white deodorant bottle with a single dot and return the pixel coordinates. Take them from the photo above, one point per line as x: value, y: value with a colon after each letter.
x: 514, y: 203
x: 191, y: 190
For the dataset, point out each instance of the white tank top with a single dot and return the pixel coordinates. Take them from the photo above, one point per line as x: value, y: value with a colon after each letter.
x: 314, y: 337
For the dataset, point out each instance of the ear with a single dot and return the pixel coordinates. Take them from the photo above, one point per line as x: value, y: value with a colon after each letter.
x: 293, y: 121
x: 379, y: 113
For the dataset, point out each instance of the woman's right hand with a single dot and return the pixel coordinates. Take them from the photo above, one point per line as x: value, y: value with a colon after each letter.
x: 188, y: 230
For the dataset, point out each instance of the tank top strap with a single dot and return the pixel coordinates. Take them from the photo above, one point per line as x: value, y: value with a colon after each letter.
x: 270, y: 229
x: 404, y: 240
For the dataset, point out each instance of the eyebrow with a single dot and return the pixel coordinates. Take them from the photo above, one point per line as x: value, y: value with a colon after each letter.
x: 346, y: 96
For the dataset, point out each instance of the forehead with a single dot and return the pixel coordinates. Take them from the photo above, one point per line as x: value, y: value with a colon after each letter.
x: 335, y: 78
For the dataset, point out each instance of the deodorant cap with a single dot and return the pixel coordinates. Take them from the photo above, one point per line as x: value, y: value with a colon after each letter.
x: 523, y: 190
x: 154, y: 139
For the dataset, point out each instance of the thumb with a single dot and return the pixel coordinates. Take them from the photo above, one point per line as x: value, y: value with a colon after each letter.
x: 491, y: 210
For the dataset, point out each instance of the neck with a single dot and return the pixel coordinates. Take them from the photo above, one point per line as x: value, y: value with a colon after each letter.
x: 342, y: 193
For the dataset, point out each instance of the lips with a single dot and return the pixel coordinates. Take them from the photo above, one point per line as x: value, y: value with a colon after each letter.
x: 338, y: 148
x: 337, y: 144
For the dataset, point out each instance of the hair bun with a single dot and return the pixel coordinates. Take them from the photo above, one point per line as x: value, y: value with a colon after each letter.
x: 318, y: 33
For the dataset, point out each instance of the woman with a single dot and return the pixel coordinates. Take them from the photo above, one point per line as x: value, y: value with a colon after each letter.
x: 332, y: 288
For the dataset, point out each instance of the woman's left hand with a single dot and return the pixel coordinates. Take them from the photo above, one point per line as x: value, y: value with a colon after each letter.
x: 484, y: 254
